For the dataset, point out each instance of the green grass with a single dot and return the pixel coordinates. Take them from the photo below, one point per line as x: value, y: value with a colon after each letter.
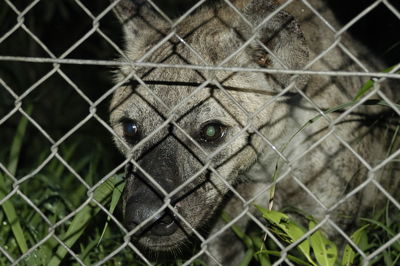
x: 316, y: 249
x: 57, y: 192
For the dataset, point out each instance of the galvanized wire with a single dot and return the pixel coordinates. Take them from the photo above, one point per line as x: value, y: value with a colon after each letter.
x: 58, y: 61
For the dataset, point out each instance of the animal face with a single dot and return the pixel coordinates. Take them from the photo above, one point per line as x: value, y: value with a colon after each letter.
x: 192, y: 133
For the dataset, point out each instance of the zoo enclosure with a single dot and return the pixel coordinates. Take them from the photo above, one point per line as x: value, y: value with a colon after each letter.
x: 21, y: 98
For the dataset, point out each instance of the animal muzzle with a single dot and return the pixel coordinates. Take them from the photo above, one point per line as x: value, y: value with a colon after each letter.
x: 145, y: 204
x: 144, y: 201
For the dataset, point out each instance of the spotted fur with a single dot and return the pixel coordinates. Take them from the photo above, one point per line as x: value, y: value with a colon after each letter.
x: 252, y: 111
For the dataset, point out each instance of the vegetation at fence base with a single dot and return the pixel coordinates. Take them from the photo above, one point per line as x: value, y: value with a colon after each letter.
x: 56, y: 192
x: 315, y: 248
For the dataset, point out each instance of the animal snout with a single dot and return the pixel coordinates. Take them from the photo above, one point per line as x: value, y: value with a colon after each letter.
x: 138, y: 210
x: 165, y: 225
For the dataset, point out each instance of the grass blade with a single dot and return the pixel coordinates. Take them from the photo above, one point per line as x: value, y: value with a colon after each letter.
x: 290, y: 257
x: 247, y: 258
x: 17, y: 142
x: 238, y: 231
x: 389, y: 231
x: 12, y: 218
x: 262, y: 258
x: 8, y: 207
x: 81, y: 219
x: 368, y: 85
x: 117, y: 193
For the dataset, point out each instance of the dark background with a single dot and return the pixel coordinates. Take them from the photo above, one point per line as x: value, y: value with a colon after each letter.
x: 58, y: 107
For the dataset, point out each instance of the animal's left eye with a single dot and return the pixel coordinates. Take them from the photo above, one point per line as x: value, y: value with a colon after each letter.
x: 130, y: 130
x: 212, y: 131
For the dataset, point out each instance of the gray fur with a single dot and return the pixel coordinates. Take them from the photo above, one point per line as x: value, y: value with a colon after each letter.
x: 215, y: 31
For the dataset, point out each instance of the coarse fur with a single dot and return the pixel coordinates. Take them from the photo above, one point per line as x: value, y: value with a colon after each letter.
x: 257, y: 111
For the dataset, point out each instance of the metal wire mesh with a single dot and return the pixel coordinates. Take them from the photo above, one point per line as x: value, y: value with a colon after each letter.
x: 56, y: 152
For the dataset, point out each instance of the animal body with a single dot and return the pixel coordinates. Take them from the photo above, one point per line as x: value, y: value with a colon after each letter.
x: 205, y: 140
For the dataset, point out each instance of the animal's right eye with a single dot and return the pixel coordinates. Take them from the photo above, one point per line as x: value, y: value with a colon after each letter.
x: 130, y: 130
x: 212, y: 131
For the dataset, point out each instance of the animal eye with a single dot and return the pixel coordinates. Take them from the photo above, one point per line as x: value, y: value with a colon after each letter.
x: 212, y: 131
x: 130, y: 130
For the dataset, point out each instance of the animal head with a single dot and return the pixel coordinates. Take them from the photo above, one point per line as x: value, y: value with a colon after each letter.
x: 191, y: 131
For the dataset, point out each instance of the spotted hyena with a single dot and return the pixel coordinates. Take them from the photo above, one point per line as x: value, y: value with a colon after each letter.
x: 205, y: 140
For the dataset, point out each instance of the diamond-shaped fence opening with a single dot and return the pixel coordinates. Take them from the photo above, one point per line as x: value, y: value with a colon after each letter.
x: 254, y: 132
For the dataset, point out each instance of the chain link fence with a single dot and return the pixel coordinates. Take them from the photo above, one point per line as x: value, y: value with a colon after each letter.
x: 59, y: 169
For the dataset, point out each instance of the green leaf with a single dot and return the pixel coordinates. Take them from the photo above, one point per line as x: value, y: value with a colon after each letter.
x: 12, y: 218
x: 290, y: 257
x: 8, y: 207
x: 368, y: 85
x: 117, y: 193
x: 238, y: 231
x: 325, y: 251
x: 397, y: 259
x: 69, y: 152
x: 387, y: 258
x: 357, y: 237
x: 247, y: 258
x: 17, y: 142
x: 80, y: 221
x: 364, y: 89
x: 293, y: 231
x: 262, y: 258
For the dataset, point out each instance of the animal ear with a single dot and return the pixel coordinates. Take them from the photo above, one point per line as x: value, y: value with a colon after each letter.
x: 281, y: 34
x: 138, y: 17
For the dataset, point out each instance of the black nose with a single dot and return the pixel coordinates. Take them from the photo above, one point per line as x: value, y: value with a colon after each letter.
x: 137, y: 211
x: 143, y: 198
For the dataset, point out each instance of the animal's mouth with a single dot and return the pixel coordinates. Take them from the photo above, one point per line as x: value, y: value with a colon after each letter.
x: 154, y: 238
x: 163, y: 244
x: 165, y: 233
x: 158, y: 228
x: 163, y: 224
